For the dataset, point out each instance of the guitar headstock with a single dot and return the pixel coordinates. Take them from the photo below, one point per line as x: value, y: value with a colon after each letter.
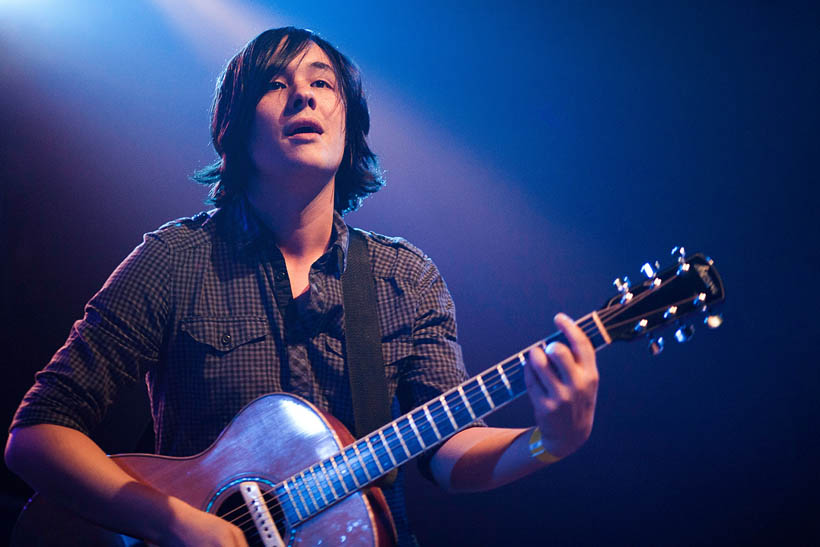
x: 691, y: 286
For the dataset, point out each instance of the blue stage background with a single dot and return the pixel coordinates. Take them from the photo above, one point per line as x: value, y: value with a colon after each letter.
x: 535, y: 150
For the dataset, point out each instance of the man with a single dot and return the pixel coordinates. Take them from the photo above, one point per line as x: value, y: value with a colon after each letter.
x: 246, y: 299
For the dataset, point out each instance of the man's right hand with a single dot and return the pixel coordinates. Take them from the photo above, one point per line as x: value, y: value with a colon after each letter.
x: 191, y: 527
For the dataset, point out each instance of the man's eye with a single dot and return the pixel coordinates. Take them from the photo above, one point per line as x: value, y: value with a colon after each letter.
x: 277, y: 85
x: 322, y: 83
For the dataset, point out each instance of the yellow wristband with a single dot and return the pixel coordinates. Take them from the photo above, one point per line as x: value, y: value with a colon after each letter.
x: 537, y: 449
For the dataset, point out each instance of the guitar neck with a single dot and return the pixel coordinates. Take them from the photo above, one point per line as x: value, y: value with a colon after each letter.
x: 359, y: 464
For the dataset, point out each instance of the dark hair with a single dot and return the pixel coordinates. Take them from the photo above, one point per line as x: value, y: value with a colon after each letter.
x: 240, y: 87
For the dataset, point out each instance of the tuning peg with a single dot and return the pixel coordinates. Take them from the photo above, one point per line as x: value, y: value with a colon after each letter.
x: 684, y: 333
x: 640, y: 326
x: 650, y: 270
x: 714, y: 321
x: 680, y: 252
x: 623, y: 285
x: 656, y: 345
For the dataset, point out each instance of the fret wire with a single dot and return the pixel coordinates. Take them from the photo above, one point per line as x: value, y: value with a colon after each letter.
x: 447, y: 410
x: 312, y: 480
x: 361, y: 462
x: 401, y: 439
x: 466, y: 402
x: 329, y: 480
x: 427, y: 427
x: 432, y: 422
x: 293, y: 502
x: 412, y: 438
x: 309, y: 493
x: 279, y: 494
x: 387, y: 445
x: 500, y: 370
x: 412, y: 423
x: 495, y: 386
x: 385, y: 455
x: 394, y: 443
x: 339, y: 474
x: 484, y: 390
x: 300, y: 498
x: 457, y: 408
x: 375, y: 455
x: 315, y: 477
x: 347, y: 473
x: 601, y: 328
x: 350, y: 468
x: 338, y: 486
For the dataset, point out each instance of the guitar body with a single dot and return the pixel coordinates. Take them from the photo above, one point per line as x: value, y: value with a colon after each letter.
x: 271, y: 439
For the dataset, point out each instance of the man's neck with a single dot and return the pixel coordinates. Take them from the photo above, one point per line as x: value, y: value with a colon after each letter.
x: 301, y: 222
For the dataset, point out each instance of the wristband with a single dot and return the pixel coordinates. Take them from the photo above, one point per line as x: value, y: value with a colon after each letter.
x: 537, y: 449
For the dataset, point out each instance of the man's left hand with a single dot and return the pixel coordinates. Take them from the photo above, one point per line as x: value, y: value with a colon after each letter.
x: 563, y: 384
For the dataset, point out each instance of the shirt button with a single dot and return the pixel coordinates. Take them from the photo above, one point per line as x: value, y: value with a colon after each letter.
x: 226, y: 339
x: 280, y: 275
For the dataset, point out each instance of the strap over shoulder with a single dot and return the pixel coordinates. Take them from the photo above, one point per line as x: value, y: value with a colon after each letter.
x: 365, y: 363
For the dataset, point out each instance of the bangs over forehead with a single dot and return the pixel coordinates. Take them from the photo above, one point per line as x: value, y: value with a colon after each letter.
x: 278, y: 50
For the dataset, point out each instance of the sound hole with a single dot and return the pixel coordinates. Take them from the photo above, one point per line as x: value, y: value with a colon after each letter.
x: 234, y: 510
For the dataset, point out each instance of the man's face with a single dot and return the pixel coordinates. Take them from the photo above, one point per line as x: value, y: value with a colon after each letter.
x: 300, y: 122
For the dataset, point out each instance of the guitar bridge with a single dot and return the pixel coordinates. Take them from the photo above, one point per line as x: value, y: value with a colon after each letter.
x: 262, y: 519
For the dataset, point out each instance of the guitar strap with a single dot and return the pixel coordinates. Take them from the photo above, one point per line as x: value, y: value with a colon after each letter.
x: 365, y: 363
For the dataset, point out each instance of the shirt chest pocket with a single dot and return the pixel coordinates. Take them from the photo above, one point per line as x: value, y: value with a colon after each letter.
x: 229, y: 352
x: 223, y: 335
x: 216, y: 365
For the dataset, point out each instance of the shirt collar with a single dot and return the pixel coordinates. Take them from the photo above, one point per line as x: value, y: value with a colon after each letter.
x: 248, y: 231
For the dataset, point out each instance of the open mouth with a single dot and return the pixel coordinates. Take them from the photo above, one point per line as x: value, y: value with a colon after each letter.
x: 303, y: 128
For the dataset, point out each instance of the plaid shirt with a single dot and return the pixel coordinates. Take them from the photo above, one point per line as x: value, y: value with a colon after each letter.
x: 203, y: 310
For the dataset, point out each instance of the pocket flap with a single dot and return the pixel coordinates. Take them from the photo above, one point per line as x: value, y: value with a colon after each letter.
x: 225, y: 334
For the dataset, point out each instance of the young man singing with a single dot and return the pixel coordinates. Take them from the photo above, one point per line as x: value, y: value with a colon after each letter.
x: 216, y: 310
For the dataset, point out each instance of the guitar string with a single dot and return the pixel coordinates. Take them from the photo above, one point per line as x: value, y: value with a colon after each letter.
x: 326, y: 486
x: 423, y: 427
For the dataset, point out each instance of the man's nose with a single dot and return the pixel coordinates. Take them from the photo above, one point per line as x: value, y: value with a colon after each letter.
x: 301, y: 98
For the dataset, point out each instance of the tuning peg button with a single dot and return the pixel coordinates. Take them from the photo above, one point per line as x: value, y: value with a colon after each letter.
x: 650, y: 270
x: 713, y: 321
x: 656, y: 345
x: 623, y: 285
x: 684, y: 333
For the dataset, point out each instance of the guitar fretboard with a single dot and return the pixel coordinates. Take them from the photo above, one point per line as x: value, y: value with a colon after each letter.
x: 321, y: 485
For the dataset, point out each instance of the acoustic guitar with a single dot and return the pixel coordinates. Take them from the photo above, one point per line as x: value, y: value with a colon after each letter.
x: 289, y: 474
